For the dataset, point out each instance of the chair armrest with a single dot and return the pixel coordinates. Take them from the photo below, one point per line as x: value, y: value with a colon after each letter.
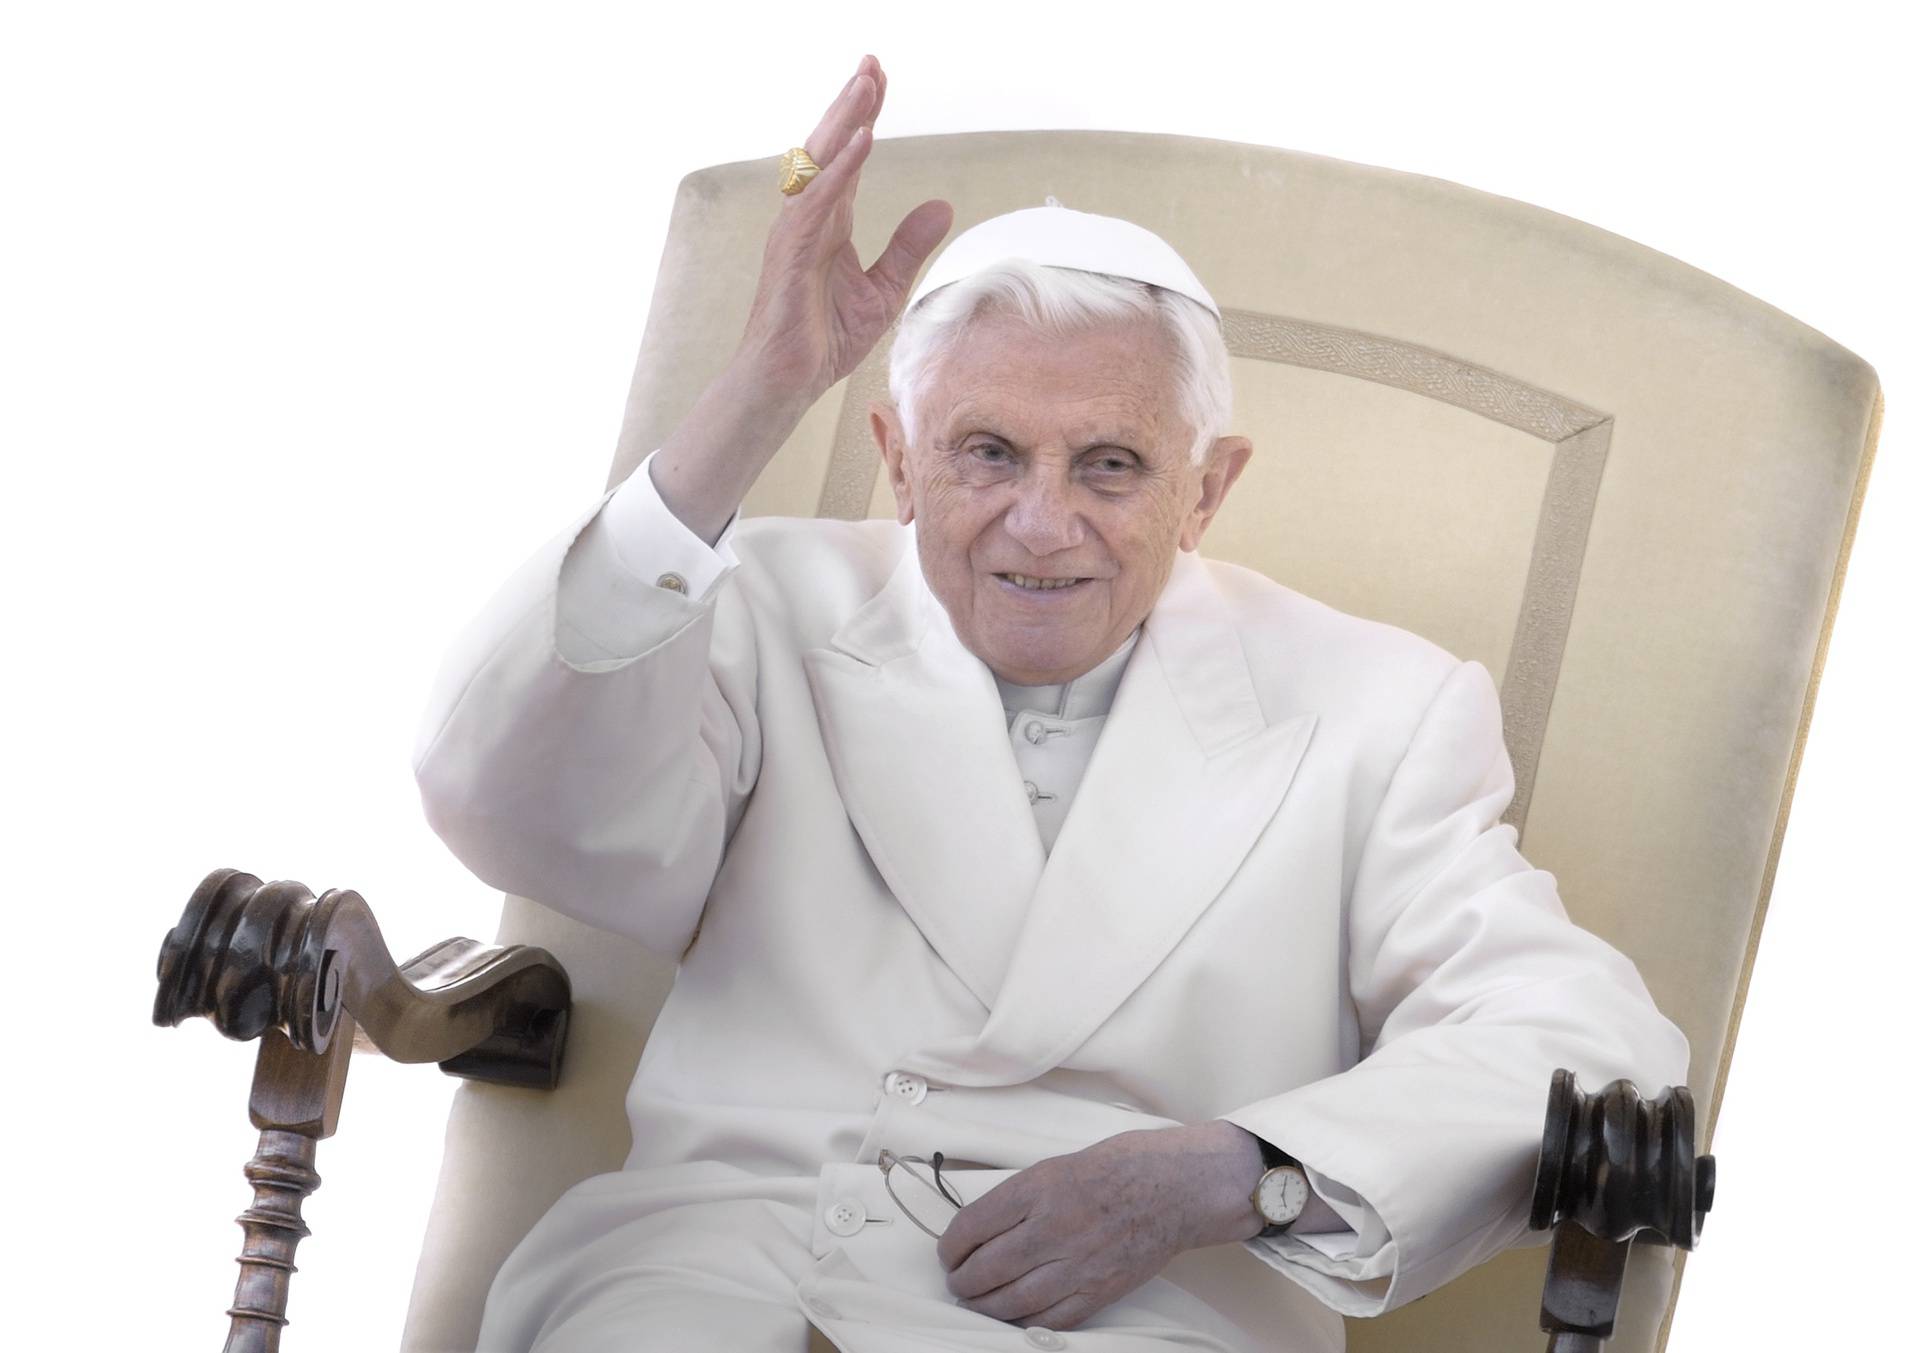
x: 310, y: 978
x: 1613, y: 1168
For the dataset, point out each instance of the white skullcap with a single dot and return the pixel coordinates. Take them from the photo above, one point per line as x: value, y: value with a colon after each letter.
x: 1060, y: 237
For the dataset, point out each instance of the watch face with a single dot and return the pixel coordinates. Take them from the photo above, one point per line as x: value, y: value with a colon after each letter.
x: 1282, y: 1195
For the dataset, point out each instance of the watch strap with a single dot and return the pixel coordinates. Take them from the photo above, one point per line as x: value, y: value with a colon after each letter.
x: 1271, y: 1155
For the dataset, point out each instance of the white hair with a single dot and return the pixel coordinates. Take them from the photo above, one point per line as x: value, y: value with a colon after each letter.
x: 1061, y: 301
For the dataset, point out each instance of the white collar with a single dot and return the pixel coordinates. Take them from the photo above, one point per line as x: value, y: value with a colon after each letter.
x: 1087, y: 695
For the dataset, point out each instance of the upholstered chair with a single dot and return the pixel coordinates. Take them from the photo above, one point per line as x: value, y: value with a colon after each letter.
x: 1624, y: 486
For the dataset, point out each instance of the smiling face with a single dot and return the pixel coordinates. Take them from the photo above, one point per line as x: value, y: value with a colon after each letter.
x: 1052, y: 482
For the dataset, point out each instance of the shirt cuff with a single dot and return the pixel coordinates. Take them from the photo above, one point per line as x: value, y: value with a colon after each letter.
x: 634, y: 576
x: 1348, y: 1270
x: 653, y: 545
x: 1365, y: 1235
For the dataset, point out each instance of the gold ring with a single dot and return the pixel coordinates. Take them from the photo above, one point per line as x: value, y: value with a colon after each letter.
x: 797, y: 169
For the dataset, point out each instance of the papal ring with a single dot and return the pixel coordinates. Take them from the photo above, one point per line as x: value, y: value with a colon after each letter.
x: 797, y: 169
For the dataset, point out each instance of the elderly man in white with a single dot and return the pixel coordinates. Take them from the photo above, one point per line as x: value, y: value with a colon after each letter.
x: 1073, y: 934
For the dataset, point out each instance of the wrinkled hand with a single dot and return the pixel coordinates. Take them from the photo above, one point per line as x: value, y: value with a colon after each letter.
x: 816, y: 315
x: 1069, y: 1235
x: 816, y: 312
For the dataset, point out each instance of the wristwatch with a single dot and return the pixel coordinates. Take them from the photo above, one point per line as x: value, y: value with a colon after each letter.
x: 1282, y: 1193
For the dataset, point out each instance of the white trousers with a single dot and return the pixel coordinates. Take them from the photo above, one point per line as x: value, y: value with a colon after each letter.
x: 708, y: 1257
x: 727, y: 1280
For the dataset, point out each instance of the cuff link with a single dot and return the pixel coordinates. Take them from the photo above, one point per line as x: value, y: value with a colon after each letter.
x: 673, y: 582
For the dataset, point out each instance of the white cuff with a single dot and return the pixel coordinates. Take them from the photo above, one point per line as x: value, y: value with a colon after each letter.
x: 1365, y: 1235
x: 634, y: 576
x: 1348, y: 1270
x: 654, y: 545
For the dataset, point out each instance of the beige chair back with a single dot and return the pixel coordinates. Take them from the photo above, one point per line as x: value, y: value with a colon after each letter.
x: 1624, y: 486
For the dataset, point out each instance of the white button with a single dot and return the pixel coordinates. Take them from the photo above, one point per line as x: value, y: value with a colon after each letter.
x: 903, y: 1085
x: 1035, y: 733
x: 1045, y: 1338
x: 846, y: 1217
x: 673, y: 582
x: 823, y: 1308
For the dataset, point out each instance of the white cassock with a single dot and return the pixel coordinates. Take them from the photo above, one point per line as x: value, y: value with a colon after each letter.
x: 1283, y: 896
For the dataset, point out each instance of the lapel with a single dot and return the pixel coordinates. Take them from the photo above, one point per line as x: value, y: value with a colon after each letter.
x: 1187, y: 773
x: 919, y: 749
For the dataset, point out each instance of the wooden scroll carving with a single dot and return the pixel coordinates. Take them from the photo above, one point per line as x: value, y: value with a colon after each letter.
x: 1613, y: 1167
x: 270, y: 961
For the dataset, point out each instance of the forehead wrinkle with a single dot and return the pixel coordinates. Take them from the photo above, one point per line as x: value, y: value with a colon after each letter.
x: 1117, y: 391
x: 1134, y: 427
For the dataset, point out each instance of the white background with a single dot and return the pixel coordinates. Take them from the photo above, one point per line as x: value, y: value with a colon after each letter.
x: 315, y: 320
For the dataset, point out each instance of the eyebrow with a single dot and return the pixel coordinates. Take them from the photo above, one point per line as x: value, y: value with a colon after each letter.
x: 1118, y: 441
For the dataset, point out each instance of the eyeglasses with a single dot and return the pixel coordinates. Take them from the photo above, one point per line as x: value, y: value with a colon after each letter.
x: 929, y: 1195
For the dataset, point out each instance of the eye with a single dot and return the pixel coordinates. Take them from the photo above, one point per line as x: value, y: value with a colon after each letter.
x: 993, y: 453
x: 1111, y: 462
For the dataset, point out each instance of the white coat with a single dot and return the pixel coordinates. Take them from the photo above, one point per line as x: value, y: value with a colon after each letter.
x: 1282, y: 896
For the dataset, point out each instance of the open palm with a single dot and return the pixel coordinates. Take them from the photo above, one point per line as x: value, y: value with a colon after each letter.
x: 816, y: 311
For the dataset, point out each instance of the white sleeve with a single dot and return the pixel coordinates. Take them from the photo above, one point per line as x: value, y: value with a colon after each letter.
x: 1471, y: 987
x: 632, y: 545
x: 592, y: 736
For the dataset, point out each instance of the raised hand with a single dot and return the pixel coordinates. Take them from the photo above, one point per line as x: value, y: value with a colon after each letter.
x: 817, y: 312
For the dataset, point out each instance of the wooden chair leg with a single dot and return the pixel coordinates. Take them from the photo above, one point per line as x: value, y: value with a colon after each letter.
x: 295, y: 1102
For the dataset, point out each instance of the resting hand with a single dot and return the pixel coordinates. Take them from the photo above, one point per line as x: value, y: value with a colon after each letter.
x: 1070, y: 1235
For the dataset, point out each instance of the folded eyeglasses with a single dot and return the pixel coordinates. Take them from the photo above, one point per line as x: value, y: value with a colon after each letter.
x: 929, y: 1194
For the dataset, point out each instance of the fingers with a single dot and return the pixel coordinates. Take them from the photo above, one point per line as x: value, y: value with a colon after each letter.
x: 999, y: 1209
x: 914, y: 240
x: 857, y: 104
x: 1041, y: 1288
x: 1065, y: 1314
x: 995, y: 1264
x: 839, y: 179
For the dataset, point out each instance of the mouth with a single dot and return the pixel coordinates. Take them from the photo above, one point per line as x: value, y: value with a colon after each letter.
x: 1026, y: 582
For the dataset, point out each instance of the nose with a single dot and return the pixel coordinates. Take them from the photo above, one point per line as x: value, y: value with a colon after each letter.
x: 1043, y: 517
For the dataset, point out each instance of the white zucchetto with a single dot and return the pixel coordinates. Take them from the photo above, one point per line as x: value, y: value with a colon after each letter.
x: 1061, y: 237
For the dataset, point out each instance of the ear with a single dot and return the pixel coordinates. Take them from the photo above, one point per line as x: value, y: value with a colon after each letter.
x: 1225, y: 460
x: 891, y: 437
